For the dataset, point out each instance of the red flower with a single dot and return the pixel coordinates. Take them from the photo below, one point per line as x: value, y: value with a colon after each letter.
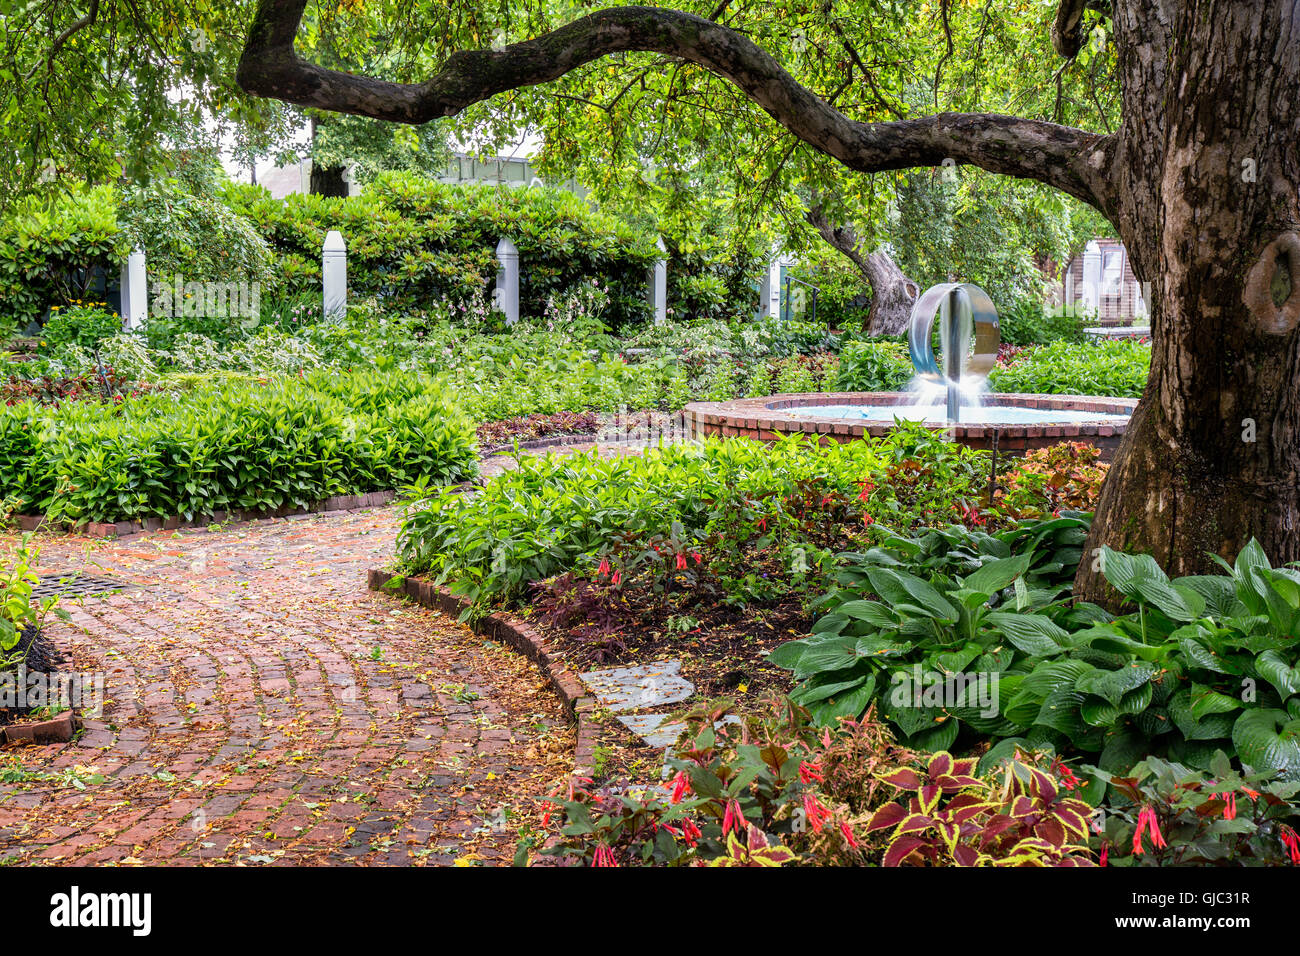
x: 681, y: 786
x: 817, y: 814
x: 848, y: 835
x: 618, y: 576
x: 1292, y: 843
x: 681, y: 562
x: 1105, y: 854
x: 690, y: 833
x: 867, y: 519
x: 733, y: 819
x: 1147, y: 818
x: 1229, y: 804
x: 604, y: 857
x: 698, y: 559
x: 762, y: 524
x: 808, y: 772
x: 604, y: 566
x: 867, y: 489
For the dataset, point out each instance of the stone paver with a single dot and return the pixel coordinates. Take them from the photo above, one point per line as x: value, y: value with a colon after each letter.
x: 631, y: 688
x: 263, y: 707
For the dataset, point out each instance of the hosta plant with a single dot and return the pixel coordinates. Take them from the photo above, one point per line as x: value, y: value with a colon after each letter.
x: 1200, y: 664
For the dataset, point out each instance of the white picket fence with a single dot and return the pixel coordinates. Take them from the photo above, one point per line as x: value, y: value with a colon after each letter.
x: 334, y: 283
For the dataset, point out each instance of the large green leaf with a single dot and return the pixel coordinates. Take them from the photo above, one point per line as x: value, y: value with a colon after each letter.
x: 996, y: 575
x: 1266, y: 740
x: 1035, y: 634
x: 1279, y: 672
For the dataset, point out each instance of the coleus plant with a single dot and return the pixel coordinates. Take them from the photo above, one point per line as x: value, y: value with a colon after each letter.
x: 951, y: 816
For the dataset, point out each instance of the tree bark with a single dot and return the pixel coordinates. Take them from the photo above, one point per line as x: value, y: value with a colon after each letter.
x: 892, y: 293
x: 1208, y: 211
x: 329, y: 180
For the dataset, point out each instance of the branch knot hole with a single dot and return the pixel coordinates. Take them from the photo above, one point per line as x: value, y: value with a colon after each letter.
x: 1272, y: 292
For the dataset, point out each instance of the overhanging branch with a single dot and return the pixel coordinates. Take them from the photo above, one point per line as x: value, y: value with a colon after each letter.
x: 1068, y: 159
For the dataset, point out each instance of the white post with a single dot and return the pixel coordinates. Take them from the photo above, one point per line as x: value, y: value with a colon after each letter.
x: 506, y: 296
x: 1092, y: 277
x: 658, y: 293
x: 334, y: 275
x: 765, y: 294
x: 135, y: 291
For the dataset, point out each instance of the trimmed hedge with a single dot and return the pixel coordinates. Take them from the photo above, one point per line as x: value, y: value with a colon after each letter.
x: 242, y: 444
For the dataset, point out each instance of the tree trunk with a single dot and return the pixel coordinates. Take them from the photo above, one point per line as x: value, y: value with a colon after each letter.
x: 329, y: 180
x: 1209, y: 214
x: 892, y: 292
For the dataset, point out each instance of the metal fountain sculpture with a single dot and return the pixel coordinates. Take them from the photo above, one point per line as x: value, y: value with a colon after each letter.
x: 965, y: 313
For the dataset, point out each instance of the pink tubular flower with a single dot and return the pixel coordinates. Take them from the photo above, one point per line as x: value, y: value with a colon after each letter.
x: 681, y: 786
x: 1292, y: 842
x: 698, y: 559
x: 604, y: 566
x: 1147, y: 818
x: 817, y: 814
x: 618, y: 576
x: 604, y: 857
x: 1105, y: 854
x: 681, y: 562
x: 849, y: 838
x: 733, y: 818
x: 1229, y: 804
x: 690, y: 833
x: 808, y: 772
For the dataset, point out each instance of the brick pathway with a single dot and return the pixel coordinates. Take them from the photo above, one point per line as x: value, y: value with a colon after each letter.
x: 265, y: 708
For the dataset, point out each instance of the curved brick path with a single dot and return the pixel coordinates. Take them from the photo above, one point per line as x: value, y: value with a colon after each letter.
x: 265, y: 708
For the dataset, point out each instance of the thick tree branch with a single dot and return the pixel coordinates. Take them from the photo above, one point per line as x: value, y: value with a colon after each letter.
x: 1071, y: 160
x: 1067, y: 28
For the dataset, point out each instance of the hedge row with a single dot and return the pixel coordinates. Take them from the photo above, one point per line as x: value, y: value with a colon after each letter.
x: 412, y: 240
x: 237, y: 445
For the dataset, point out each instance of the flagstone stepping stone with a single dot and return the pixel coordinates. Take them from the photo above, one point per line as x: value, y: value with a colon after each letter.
x: 632, y: 688
x: 658, y: 731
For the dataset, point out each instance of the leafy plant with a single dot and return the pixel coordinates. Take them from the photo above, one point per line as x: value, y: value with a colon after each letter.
x: 1116, y: 368
x: 1165, y: 814
x: 874, y: 367
x: 952, y: 817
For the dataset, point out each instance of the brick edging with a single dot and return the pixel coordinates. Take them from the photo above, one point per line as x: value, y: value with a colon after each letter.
x: 520, y: 637
x: 118, y: 529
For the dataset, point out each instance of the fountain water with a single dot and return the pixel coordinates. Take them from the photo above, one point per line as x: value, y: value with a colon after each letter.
x: 965, y: 312
x: 948, y: 391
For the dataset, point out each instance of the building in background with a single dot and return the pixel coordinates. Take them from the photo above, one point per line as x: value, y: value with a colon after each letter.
x: 1100, y: 282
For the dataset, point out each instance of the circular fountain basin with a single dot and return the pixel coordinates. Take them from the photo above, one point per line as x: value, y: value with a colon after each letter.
x: 1016, y: 423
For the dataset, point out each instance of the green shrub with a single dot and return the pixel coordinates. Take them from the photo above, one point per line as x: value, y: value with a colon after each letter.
x: 871, y: 366
x: 1113, y: 369
x: 83, y: 324
x: 1029, y: 322
x: 1204, y: 663
x: 551, y: 515
x: 54, y: 252
x: 240, y: 444
x: 413, y: 241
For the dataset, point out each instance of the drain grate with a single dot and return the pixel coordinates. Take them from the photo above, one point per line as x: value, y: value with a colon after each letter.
x: 76, y: 585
